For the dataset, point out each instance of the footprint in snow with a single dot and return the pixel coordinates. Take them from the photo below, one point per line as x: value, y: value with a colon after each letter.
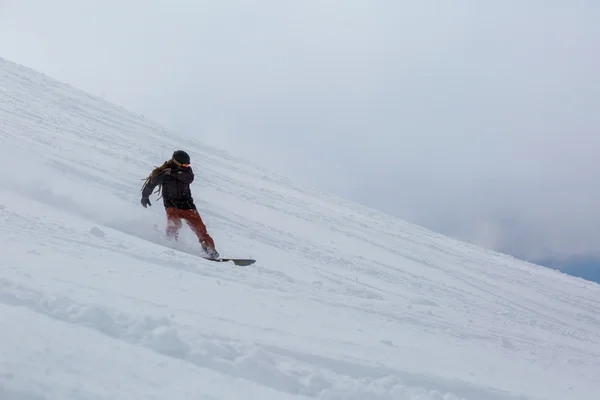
x: 97, y: 232
x: 422, y: 301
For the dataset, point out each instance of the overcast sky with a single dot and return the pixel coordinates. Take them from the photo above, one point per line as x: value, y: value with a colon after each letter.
x: 477, y: 120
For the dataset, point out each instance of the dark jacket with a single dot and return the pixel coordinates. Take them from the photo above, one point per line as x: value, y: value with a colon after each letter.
x: 175, y: 187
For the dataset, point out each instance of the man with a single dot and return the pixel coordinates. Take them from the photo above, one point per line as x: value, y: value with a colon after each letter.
x: 174, y: 178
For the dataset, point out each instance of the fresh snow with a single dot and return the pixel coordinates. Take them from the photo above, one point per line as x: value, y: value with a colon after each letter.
x: 343, y: 303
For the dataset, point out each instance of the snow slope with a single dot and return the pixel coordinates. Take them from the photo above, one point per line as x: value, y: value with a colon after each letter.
x: 343, y: 303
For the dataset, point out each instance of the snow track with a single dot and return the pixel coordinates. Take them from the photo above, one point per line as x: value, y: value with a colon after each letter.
x: 343, y: 303
x: 276, y: 368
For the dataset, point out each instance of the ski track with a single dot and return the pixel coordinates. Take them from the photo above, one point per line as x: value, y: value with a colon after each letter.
x: 276, y: 368
x: 343, y: 303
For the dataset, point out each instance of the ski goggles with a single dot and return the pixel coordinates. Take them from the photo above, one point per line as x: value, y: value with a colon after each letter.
x: 180, y: 164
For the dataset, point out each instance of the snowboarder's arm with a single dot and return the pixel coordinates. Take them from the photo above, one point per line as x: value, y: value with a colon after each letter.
x: 151, y: 184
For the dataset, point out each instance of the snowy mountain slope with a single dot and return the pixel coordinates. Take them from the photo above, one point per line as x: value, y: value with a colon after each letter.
x: 343, y: 303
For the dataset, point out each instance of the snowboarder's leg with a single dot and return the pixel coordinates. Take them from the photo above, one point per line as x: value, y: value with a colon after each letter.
x: 195, y: 222
x: 174, y: 223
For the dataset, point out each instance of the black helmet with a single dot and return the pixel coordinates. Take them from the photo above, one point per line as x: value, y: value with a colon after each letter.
x: 181, y: 157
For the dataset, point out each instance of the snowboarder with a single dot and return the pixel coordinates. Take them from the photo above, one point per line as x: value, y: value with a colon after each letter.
x: 174, y: 178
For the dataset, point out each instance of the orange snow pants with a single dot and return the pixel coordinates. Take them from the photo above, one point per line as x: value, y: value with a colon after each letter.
x: 194, y: 221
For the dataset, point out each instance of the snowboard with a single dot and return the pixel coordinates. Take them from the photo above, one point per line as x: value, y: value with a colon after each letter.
x: 237, y: 261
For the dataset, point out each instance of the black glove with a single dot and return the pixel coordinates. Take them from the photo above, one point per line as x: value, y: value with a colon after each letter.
x: 146, y: 202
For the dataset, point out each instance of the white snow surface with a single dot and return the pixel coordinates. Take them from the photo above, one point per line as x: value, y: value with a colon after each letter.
x: 344, y: 302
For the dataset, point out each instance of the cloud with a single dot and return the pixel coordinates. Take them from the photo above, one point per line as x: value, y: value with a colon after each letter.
x: 477, y: 120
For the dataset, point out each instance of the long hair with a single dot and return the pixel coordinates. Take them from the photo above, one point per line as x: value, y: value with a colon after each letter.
x: 156, y: 171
